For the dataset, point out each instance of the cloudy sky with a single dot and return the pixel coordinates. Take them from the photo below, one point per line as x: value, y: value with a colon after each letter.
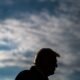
x: 29, y: 25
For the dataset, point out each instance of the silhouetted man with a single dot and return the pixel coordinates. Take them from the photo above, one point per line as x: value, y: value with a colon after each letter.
x: 45, y: 65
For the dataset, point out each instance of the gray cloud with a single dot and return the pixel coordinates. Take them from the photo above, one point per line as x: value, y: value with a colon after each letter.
x: 59, y: 31
x: 32, y: 31
x: 59, y: 34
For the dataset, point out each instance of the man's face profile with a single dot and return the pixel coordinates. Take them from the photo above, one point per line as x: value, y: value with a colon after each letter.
x: 51, y: 66
x: 47, y: 61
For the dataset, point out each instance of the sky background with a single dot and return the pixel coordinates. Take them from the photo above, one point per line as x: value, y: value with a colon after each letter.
x: 26, y: 26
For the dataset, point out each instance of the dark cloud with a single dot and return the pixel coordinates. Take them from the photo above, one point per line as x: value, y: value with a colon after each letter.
x: 71, y: 39
x: 28, y: 53
x: 60, y: 8
x: 7, y: 45
x: 22, y: 6
x: 75, y: 75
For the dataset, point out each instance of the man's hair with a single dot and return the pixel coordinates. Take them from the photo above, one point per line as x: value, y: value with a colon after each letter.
x: 44, y: 55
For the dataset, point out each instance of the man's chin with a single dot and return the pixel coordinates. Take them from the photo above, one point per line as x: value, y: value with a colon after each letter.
x: 51, y: 73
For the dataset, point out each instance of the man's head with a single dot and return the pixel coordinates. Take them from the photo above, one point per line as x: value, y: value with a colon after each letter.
x: 46, y: 59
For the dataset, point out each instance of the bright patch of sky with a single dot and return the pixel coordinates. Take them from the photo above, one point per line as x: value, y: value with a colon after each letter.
x: 27, y: 26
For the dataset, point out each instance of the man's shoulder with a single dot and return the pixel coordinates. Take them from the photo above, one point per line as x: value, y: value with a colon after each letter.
x: 31, y: 74
x: 23, y: 74
x: 24, y: 71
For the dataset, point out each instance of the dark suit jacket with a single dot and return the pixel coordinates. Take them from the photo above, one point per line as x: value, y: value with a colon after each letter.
x: 32, y: 74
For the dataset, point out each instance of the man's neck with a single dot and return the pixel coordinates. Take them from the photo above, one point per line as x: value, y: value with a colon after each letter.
x: 41, y: 71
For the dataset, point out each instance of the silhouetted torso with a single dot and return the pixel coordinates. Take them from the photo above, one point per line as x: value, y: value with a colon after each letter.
x: 32, y: 74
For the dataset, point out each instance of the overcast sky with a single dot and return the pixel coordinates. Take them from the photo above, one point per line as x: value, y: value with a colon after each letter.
x: 26, y: 26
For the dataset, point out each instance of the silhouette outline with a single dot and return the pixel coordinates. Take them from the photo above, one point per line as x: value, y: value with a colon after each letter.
x: 44, y: 66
